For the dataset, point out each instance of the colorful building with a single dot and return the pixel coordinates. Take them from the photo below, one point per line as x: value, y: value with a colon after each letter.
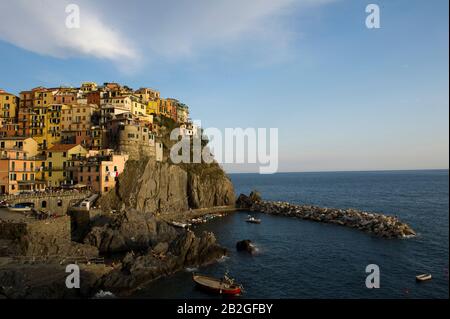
x: 55, y: 164
x: 147, y: 94
x: 98, y: 171
x: 182, y: 113
x: 9, y: 104
x: 18, y: 166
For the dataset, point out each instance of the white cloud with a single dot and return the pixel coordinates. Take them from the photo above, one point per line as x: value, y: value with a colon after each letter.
x: 129, y: 30
x: 40, y: 26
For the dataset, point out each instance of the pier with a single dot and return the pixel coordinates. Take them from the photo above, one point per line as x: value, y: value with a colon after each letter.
x: 378, y: 224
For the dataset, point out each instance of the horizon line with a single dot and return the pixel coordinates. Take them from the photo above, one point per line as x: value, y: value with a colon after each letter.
x: 348, y: 171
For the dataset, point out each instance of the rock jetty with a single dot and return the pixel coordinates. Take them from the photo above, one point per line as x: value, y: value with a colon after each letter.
x: 373, y: 223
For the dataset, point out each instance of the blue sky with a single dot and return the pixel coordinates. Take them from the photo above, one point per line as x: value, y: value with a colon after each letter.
x: 344, y: 97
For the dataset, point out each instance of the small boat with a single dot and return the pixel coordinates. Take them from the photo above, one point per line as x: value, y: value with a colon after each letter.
x: 20, y: 208
x: 224, y: 286
x: 423, y: 277
x: 180, y: 225
x: 253, y: 220
x: 3, y: 204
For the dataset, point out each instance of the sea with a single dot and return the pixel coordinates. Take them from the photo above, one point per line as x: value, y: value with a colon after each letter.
x: 306, y: 259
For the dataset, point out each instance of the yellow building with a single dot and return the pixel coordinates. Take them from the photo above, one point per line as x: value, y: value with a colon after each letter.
x: 137, y: 107
x: 8, y: 107
x: 53, y: 125
x: 152, y: 107
x: 55, y: 164
x: 25, y: 144
x: 42, y: 98
x: 88, y: 87
x: 147, y: 94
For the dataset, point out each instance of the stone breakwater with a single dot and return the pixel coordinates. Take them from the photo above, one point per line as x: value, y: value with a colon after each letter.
x: 374, y: 223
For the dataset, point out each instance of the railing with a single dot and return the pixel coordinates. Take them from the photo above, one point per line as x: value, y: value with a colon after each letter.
x: 62, y: 259
x: 38, y: 194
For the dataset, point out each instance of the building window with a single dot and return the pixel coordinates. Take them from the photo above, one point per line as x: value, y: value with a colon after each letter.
x: 49, y: 154
x: 115, y: 168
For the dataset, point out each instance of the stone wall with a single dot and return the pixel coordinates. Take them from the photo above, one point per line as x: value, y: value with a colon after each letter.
x: 56, y: 203
x: 50, y: 238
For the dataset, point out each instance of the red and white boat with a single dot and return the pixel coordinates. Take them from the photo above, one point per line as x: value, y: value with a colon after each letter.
x: 224, y: 286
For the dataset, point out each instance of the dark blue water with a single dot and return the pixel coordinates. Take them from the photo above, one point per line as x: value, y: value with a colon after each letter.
x: 302, y: 259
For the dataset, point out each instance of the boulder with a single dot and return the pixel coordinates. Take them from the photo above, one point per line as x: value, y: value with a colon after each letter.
x: 246, y: 245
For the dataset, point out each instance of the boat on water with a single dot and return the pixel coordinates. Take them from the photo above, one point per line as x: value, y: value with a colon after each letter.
x: 423, y: 277
x: 223, y: 286
x: 20, y: 208
x: 3, y: 204
x: 253, y: 220
x: 180, y: 225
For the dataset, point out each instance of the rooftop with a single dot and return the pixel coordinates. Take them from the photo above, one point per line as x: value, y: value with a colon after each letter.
x: 62, y: 147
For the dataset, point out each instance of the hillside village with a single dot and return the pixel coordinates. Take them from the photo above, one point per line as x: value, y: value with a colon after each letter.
x: 81, y: 138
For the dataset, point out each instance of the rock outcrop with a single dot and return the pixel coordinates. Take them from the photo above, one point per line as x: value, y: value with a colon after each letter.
x: 128, y: 230
x: 163, y: 259
x: 47, y: 281
x: 246, y: 245
x: 377, y: 224
x: 159, y: 187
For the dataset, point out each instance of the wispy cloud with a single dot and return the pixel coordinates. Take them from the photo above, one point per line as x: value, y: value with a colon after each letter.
x: 40, y: 26
x: 131, y: 30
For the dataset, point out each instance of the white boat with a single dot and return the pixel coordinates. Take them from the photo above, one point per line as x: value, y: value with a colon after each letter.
x: 20, y: 208
x: 423, y: 277
x: 253, y: 220
x: 180, y: 225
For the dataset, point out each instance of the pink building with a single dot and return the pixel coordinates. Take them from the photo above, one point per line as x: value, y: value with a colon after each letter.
x: 98, y: 171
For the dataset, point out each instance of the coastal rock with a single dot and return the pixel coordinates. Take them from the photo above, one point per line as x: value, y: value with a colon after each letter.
x: 47, y: 281
x: 246, y: 245
x: 247, y: 202
x: 377, y: 224
x: 186, y: 250
x: 158, y: 187
x: 129, y: 230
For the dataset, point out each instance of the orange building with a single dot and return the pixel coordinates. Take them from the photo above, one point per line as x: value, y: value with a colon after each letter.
x: 18, y: 168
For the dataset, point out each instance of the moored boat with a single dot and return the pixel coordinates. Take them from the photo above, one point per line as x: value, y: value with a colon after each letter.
x: 20, y: 208
x: 180, y: 225
x: 3, y: 204
x: 423, y: 277
x: 224, y: 286
x: 253, y: 220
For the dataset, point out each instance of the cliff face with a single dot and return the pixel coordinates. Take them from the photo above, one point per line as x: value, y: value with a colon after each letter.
x: 151, y: 186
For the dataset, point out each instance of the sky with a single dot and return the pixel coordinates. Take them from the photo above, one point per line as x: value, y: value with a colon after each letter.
x: 343, y: 97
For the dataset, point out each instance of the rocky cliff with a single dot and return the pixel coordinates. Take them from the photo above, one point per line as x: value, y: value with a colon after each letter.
x: 150, y: 186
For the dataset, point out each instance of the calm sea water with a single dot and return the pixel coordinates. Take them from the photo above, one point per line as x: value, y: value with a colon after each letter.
x: 303, y: 259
